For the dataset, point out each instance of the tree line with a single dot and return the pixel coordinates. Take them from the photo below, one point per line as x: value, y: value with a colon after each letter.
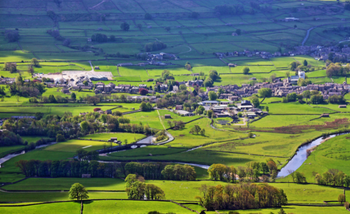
x: 253, y: 170
x: 86, y: 165
x: 242, y: 196
x: 155, y: 46
x: 68, y: 126
x: 161, y: 171
x: 333, y: 177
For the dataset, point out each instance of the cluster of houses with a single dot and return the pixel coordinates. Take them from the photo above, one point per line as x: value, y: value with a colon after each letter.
x: 322, y: 53
x: 279, y: 89
x: 224, y: 109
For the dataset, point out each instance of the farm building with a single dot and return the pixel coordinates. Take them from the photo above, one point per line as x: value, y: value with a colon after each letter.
x: 342, y: 106
x: 167, y: 116
x: 324, y: 115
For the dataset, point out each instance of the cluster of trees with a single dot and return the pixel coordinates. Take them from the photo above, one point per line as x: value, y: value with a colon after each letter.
x: 336, y: 99
x: 137, y: 189
x: 65, y: 168
x: 26, y: 89
x: 101, y: 38
x: 213, y: 76
x: 251, y: 172
x: 125, y: 26
x: 12, y: 35
x: 137, y: 128
x: 229, y: 9
x: 297, y: 66
x: 304, y: 82
x: 55, y: 34
x: 179, y: 172
x: 243, y: 196
x: 161, y: 171
x: 146, y: 106
x: 68, y: 125
x: 179, y: 98
x: 8, y: 138
x: 337, y: 69
x: 197, y: 129
x: 155, y: 46
x: 161, y: 135
x: 298, y: 177
x: 85, y: 155
x: 10, y: 66
x: 177, y: 125
x: 333, y: 177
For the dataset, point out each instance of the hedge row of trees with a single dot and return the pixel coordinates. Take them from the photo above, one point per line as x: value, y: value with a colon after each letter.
x: 179, y: 172
x: 333, y: 177
x: 65, y: 168
x: 75, y: 168
x: 155, y: 46
x: 8, y: 138
x: 243, y: 196
x: 161, y: 171
x: 251, y: 172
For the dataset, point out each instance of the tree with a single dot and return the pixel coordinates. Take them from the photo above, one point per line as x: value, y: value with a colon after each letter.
x: 35, y: 62
x: 12, y: 35
x: 306, y: 94
x: 264, y: 92
x: 60, y: 138
x: 255, y: 102
x: 195, y: 129
x: 148, y: 16
x: 167, y: 29
x: 183, y: 87
x: 305, y: 62
x: 188, y: 66
x: 203, y: 132
x: 143, y: 91
x: 246, y: 70
x: 52, y: 99
x: 213, y: 74
x: 125, y: 26
x: 78, y: 192
x: 238, y: 31
x: 208, y: 82
x: 210, y: 114
x: 84, y: 126
x: 341, y: 198
x: 93, y: 100
x: 73, y: 96
x: 294, y: 65
x: 31, y: 70
x: 212, y: 95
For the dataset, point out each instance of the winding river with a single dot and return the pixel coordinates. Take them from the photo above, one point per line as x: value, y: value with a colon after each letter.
x: 301, y: 155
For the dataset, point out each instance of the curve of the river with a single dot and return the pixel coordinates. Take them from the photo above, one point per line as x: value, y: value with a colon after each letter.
x: 301, y: 155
